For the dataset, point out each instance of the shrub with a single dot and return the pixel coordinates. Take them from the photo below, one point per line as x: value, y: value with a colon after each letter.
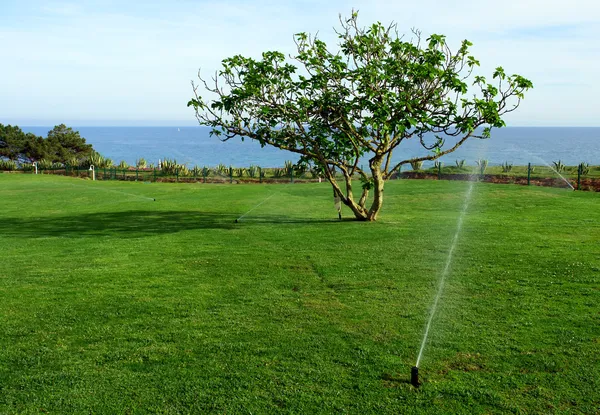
x: 141, y: 163
x: 123, y: 165
x: 506, y: 167
x: 460, y: 164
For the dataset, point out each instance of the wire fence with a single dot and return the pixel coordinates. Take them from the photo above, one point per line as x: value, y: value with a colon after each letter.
x: 582, y: 177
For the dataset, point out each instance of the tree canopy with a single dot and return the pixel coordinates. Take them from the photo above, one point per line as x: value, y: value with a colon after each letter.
x: 63, y: 145
x: 361, y: 101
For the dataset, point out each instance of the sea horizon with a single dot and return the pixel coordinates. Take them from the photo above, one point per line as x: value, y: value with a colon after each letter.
x: 192, y: 145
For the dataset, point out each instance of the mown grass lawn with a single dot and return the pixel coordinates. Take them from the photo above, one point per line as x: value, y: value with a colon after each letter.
x: 113, y: 303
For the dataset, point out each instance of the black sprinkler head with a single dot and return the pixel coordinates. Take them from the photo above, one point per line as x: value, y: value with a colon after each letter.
x: 414, y: 376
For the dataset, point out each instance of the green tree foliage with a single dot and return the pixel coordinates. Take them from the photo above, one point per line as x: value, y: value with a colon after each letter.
x: 64, y: 144
x: 362, y: 101
x: 11, y: 142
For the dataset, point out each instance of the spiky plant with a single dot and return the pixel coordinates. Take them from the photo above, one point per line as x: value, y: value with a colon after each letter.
x: 507, y: 167
x: 252, y: 171
x: 416, y: 165
x: 438, y: 164
x: 45, y: 164
x: 584, y: 168
x: 123, y: 165
x: 239, y: 172
x: 481, y: 165
x: 279, y: 173
x: 141, y: 163
x: 196, y: 171
x: 8, y: 165
x: 460, y: 163
x: 72, y: 162
x: 558, y: 166
x: 205, y: 171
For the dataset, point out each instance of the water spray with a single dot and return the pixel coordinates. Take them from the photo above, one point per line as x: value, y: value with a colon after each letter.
x: 414, y: 372
x: 273, y: 194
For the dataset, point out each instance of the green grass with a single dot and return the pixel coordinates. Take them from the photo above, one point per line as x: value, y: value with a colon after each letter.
x: 113, y: 303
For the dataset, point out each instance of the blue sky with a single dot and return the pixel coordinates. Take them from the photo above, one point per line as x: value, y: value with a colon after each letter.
x: 131, y: 63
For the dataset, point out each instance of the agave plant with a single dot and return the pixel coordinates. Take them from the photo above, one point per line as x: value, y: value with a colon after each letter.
x: 45, y: 164
x: 141, y: 163
x: 460, y: 163
x: 205, y: 171
x: 25, y: 166
x: 73, y: 162
x: 222, y: 169
x: 416, y: 165
x: 8, y: 165
x: 438, y: 164
x: 481, y: 165
x: 506, y: 167
x: 558, y: 166
x: 252, y: 171
x: 288, y: 168
x: 279, y: 173
x: 182, y: 170
x: 123, y: 165
x: 196, y: 171
x: 168, y: 166
x: 584, y: 168
x: 239, y: 172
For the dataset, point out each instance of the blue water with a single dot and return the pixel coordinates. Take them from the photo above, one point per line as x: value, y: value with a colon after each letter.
x: 194, y: 146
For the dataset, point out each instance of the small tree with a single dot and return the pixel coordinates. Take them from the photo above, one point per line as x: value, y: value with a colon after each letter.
x: 362, y: 101
x: 65, y: 144
x: 12, y: 140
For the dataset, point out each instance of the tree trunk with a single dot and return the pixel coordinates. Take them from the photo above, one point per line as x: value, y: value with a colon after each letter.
x: 378, y: 183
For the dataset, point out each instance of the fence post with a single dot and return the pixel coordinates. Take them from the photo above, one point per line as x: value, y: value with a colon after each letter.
x: 579, y: 172
x: 230, y: 174
x: 440, y: 171
x: 136, y: 174
x: 260, y: 173
x: 204, y: 174
x: 177, y: 175
x: 528, y: 174
x: 291, y: 175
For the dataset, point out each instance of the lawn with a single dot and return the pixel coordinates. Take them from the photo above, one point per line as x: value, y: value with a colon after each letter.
x: 111, y: 302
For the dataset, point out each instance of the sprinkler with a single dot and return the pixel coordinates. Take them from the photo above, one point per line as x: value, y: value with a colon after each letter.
x: 414, y: 376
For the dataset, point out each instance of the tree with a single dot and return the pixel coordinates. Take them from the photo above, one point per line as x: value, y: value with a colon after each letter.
x: 11, y: 141
x: 65, y: 144
x: 364, y: 100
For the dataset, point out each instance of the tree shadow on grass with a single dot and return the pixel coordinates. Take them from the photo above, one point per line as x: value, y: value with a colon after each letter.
x: 135, y: 223
x: 126, y: 224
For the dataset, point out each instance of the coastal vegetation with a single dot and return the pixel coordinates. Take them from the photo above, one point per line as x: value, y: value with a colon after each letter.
x: 111, y: 302
x: 62, y: 145
x: 363, y: 100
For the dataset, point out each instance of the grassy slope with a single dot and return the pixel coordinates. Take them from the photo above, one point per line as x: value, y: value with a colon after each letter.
x: 112, y: 303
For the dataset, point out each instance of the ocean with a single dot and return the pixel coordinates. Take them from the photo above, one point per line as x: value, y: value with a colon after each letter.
x: 194, y: 146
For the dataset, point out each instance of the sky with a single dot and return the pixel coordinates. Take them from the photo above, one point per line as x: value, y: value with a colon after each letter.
x: 109, y: 62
